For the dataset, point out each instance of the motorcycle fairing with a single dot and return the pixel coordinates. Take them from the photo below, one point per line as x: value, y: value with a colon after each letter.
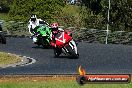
x: 62, y: 38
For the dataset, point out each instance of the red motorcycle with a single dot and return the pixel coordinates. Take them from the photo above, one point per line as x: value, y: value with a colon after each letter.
x: 65, y: 44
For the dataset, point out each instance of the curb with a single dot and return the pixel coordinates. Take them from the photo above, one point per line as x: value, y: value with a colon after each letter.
x: 24, y: 61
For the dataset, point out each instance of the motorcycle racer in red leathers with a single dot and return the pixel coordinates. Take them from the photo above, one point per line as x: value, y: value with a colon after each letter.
x: 55, y: 30
x: 62, y: 42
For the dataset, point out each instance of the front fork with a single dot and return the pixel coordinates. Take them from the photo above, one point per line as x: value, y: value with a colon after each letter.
x: 73, y: 45
x: 34, y: 39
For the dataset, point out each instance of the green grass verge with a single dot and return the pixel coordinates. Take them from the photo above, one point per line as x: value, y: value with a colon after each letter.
x: 59, y: 84
x: 8, y: 58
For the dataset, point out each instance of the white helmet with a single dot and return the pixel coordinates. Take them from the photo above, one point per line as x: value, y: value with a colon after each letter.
x: 33, y: 18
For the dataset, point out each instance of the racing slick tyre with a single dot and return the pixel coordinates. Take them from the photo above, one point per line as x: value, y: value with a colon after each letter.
x: 57, y: 52
x: 72, y: 52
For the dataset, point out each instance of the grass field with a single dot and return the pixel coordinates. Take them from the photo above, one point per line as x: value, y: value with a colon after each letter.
x: 8, y: 58
x: 52, y: 82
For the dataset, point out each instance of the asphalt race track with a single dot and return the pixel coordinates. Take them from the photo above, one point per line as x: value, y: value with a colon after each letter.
x: 95, y: 58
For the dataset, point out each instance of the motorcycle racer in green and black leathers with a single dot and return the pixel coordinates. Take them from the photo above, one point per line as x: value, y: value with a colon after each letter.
x: 40, y: 31
x: 34, y: 22
x: 43, y: 36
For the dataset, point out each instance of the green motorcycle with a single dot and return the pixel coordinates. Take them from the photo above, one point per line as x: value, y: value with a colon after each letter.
x: 42, y: 35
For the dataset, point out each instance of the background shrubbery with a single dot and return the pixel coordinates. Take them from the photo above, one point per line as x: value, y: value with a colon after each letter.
x: 80, y: 17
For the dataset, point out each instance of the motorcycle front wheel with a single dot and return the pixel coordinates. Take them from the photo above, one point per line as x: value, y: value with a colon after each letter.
x: 72, y: 52
x: 57, y: 52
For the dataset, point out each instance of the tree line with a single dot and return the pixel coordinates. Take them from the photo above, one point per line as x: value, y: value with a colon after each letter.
x: 93, y: 12
x: 120, y: 13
